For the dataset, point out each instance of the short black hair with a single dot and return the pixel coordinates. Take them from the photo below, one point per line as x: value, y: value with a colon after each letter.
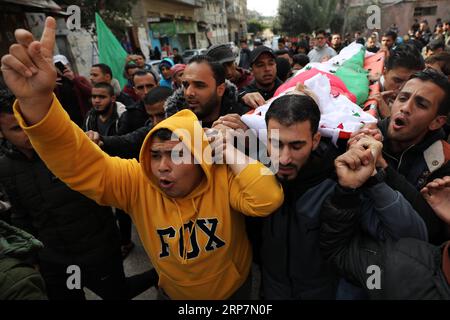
x: 321, y: 31
x: 216, y: 67
x: 130, y: 65
x: 283, y: 51
x: 292, y: 108
x: 157, y: 94
x: 162, y: 134
x: 104, y: 68
x: 391, y: 34
x: 436, y: 44
x: 442, y: 82
x: 104, y: 85
x: 283, y: 68
x: 443, y: 59
x: 301, y: 59
x: 142, y: 73
x: 7, y: 99
x: 405, y: 55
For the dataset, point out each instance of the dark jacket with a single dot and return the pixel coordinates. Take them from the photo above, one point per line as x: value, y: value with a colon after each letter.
x: 230, y: 104
x: 90, y: 123
x: 126, y: 146
x: 292, y: 265
x: 125, y: 99
x: 18, y: 279
x: 290, y: 256
x: 73, y: 228
x: 410, y: 268
x: 411, y: 170
x: 244, y: 59
x: 264, y: 93
x: 75, y: 97
x: 133, y: 118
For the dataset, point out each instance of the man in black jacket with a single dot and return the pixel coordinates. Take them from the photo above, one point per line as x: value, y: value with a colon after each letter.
x: 403, y: 269
x: 264, y: 69
x: 291, y: 262
x: 75, y: 230
x: 415, y: 151
x: 135, y: 116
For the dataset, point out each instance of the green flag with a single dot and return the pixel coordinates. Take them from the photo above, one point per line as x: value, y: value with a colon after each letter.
x: 110, y: 51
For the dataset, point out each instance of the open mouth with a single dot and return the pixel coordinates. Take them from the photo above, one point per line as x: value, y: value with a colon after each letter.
x: 165, y: 184
x: 399, y: 123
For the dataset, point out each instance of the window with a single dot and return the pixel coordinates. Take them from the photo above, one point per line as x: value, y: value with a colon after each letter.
x: 425, y: 11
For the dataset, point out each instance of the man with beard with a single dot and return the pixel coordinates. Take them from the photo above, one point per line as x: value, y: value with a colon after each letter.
x: 415, y: 151
x: 291, y: 263
x: 106, y: 111
x: 205, y: 92
x: 104, y: 119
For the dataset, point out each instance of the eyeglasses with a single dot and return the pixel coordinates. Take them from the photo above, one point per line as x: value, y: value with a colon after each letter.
x: 147, y: 86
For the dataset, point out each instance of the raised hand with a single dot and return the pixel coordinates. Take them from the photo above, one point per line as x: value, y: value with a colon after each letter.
x: 354, y: 167
x: 29, y: 72
x: 437, y: 194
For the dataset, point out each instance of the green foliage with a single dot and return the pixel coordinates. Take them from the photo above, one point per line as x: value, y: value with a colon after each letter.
x: 254, y: 26
x: 298, y: 16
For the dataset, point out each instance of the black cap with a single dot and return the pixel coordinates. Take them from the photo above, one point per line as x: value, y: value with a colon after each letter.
x: 254, y: 55
x: 221, y: 53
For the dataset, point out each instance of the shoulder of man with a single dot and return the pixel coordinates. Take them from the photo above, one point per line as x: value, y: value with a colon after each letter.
x: 437, y: 155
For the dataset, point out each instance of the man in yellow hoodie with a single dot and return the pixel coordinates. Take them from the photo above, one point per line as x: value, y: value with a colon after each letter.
x: 188, y: 215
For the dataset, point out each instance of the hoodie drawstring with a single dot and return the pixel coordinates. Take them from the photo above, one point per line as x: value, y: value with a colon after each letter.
x: 185, y: 248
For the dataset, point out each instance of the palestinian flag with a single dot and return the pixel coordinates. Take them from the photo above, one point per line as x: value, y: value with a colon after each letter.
x: 341, y: 86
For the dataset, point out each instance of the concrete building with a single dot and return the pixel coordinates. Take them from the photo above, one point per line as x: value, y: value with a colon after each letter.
x: 400, y: 12
x: 166, y: 23
x: 237, y: 19
x: 212, y: 23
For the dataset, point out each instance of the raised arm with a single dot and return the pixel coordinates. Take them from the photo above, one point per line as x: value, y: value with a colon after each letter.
x: 29, y: 72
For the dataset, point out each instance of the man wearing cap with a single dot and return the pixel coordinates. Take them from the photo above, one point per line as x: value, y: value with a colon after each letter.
x: 225, y: 56
x: 264, y: 69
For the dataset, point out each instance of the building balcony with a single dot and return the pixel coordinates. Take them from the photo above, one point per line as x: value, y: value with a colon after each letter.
x: 193, y: 3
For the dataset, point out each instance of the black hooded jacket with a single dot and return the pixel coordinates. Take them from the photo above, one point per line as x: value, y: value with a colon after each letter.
x: 407, y: 269
x: 292, y: 267
x: 411, y: 170
x: 73, y: 228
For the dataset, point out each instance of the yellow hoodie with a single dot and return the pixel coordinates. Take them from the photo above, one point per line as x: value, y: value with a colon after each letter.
x: 198, y: 243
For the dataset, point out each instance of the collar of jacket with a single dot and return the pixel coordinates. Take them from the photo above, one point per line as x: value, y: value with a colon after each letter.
x: 430, y: 138
x: 253, y: 87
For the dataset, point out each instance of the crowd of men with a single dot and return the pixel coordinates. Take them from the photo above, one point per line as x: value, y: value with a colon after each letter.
x: 83, y: 160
